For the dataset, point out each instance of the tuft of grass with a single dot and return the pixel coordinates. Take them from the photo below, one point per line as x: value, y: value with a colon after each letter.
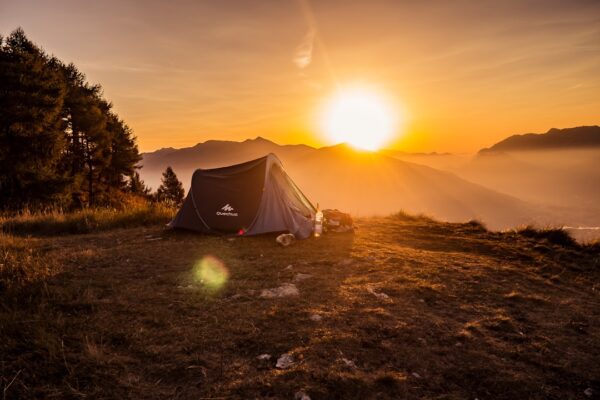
x: 405, y: 216
x: 556, y: 236
x: 476, y: 225
x: 22, y: 262
x: 58, y: 222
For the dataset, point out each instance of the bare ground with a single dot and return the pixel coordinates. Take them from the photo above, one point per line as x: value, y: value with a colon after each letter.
x: 410, y: 308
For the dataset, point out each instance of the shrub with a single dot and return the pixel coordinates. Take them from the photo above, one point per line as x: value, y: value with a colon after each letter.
x: 405, y: 216
x: 553, y: 235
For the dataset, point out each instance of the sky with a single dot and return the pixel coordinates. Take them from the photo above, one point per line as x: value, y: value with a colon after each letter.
x: 461, y: 75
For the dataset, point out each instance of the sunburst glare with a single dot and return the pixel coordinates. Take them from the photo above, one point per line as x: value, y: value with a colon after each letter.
x: 361, y: 117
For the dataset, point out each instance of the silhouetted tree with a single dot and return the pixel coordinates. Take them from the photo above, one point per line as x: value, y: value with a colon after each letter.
x: 102, y: 149
x: 32, y: 96
x: 171, y: 190
x: 138, y: 187
x: 60, y: 141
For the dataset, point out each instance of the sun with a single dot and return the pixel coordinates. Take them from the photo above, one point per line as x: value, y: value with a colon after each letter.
x: 361, y: 117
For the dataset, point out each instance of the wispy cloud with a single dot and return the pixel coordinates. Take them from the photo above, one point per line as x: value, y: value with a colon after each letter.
x: 304, y: 51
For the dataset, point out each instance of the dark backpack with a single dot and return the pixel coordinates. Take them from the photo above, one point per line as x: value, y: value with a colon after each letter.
x: 337, y: 221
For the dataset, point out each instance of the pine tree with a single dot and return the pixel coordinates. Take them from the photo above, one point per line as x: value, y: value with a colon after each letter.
x: 89, y: 139
x: 101, y: 147
x: 32, y: 95
x: 138, y: 187
x: 60, y: 141
x: 171, y: 190
x: 124, y: 155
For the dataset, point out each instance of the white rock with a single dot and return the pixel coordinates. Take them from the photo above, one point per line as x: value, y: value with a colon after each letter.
x: 349, y: 363
x: 316, y: 318
x: 588, y: 392
x: 285, y: 361
x: 285, y: 239
x: 379, y: 295
x: 264, y: 357
x: 300, y: 395
x: 416, y: 375
x: 285, y: 290
x: 301, y: 277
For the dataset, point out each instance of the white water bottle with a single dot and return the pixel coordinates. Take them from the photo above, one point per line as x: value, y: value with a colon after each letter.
x: 318, y: 222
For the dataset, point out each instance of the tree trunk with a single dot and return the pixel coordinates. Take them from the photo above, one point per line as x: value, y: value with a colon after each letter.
x: 90, y: 174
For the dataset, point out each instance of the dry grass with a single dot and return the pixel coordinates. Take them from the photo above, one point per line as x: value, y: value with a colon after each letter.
x: 552, y: 235
x: 411, y: 308
x: 57, y: 222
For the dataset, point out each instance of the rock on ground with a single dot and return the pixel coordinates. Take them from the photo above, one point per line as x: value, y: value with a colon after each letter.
x: 285, y: 290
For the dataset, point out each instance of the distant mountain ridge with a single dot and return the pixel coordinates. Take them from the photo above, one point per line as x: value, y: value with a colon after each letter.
x: 361, y: 183
x: 554, y: 139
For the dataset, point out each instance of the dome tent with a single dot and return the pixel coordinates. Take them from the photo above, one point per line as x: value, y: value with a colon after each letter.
x: 248, y: 199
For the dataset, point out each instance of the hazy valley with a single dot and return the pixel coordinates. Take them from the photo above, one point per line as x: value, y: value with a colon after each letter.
x: 555, y: 185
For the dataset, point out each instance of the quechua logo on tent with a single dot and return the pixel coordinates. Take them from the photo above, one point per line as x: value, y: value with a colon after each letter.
x: 227, y: 211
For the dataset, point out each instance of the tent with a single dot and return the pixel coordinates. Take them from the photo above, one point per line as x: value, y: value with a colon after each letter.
x: 247, y: 199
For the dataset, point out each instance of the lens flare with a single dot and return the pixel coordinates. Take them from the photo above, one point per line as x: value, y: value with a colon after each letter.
x: 211, y: 273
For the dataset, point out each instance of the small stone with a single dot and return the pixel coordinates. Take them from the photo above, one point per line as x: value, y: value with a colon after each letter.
x: 301, y: 277
x: 264, y: 357
x: 349, y: 363
x: 379, y: 295
x: 416, y: 375
x: 285, y: 239
x: 588, y: 392
x: 285, y: 361
x: 289, y: 267
x: 300, y: 395
x: 285, y: 290
x: 316, y: 318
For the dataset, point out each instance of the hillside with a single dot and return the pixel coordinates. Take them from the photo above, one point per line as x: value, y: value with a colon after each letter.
x: 568, y: 138
x: 405, y: 308
x: 211, y: 154
x: 557, y: 171
x: 360, y: 183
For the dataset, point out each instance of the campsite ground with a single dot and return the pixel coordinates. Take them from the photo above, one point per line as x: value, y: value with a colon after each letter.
x: 409, y: 308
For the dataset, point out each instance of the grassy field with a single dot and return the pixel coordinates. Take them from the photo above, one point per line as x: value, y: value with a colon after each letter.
x: 405, y: 308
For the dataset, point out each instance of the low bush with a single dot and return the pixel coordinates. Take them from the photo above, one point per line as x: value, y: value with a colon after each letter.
x: 556, y: 236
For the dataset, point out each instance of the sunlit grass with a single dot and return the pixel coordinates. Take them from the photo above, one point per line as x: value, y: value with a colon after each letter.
x: 21, y: 261
x: 57, y: 222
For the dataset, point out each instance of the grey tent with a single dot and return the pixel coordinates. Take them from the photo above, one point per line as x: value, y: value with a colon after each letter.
x: 247, y: 199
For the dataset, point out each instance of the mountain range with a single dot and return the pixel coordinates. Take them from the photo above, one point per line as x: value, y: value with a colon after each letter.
x: 503, y: 186
x: 570, y: 138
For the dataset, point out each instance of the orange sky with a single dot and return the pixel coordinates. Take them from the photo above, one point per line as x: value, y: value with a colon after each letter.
x: 466, y: 73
